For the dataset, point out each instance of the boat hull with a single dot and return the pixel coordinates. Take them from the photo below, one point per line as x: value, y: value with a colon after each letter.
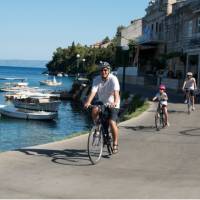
x: 25, y: 114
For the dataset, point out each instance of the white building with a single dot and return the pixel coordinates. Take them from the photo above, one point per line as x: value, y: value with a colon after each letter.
x: 131, y: 32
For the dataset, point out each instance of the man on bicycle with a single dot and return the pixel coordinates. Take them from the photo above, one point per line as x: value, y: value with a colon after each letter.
x: 107, y: 88
x: 189, y: 86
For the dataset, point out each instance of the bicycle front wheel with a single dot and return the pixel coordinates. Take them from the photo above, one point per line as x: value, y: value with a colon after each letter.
x: 158, y: 122
x: 189, y: 106
x: 95, y: 145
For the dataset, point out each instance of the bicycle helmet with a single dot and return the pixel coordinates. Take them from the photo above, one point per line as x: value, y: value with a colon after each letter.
x: 103, y: 65
x: 189, y: 74
x: 162, y: 87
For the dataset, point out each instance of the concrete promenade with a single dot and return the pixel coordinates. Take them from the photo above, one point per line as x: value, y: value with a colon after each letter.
x: 150, y: 164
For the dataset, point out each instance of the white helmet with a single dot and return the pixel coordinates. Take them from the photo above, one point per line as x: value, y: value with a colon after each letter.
x: 104, y: 65
x: 189, y: 74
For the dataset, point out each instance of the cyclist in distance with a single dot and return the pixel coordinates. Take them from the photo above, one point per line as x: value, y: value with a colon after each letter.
x: 162, y: 97
x: 189, y: 86
x: 106, y: 87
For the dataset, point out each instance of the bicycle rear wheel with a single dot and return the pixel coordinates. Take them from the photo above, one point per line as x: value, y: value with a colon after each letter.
x: 95, y: 145
x: 110, y: 144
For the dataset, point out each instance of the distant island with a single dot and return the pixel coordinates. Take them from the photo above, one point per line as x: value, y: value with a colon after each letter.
x: 24, y: 63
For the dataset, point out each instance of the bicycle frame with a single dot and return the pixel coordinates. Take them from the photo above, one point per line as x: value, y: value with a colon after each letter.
x: 103, y: 120
x: 97, y: 143
x: 159, y: 117
x: 189, y: 100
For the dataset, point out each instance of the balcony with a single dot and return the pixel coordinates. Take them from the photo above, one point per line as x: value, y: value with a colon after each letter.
x: 192, y: 42
x: 152, y: 38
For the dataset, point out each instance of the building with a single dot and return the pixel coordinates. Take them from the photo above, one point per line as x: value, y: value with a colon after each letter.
x: 99, y: 45
x: 131, y: 32
x: 170, y: 41
x: 183, y: 38
x: 152, y: 43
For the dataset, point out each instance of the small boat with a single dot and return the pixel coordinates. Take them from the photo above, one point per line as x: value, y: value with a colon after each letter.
x: 51, y: 82
x: 12, y: 86
x: 11, y: 111
x: 26, y: 94
x: 59, y: 75
x: 37, y: 103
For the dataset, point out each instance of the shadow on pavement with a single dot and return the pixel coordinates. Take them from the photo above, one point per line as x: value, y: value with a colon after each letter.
x: 75, y: 157
x: 169, y: 111
x: 140, y: 128
x: 177, y: 111
x: 191, y: 132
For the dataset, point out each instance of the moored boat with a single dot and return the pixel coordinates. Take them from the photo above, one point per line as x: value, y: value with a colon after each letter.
x: 51, y: 82
x: 37, y: 103
x: 11, y: 111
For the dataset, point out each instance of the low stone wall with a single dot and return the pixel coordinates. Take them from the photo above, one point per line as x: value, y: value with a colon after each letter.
x: 174, y: 84
x: 134, y: 80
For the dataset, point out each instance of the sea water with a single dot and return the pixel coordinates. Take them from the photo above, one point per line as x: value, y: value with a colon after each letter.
x: 19, y: 133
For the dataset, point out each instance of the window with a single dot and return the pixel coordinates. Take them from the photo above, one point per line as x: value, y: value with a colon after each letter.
x: 198, y: 25
x: 156, y: 27
x: 190, y: 28
x: 152, y: 27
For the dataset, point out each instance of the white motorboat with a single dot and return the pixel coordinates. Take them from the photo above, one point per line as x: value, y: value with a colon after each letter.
x: 60, y: 75
x: 26, y: 94
x: 13, y: 87
x: 11, y: 111
x: 37, y: 103
x: 51, y: 82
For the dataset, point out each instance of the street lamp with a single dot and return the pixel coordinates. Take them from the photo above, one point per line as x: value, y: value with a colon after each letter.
x: 124, y: 49
x: 77, y: 66
x: 83, y: 63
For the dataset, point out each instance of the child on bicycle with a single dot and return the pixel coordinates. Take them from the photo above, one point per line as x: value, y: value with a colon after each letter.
x: 162, y: 97
x: 189, y: 86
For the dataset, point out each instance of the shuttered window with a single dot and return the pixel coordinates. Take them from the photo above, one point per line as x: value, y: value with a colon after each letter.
x: 198, y: 25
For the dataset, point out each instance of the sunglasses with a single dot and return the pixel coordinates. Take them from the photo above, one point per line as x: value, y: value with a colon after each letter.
x: 104, y: 70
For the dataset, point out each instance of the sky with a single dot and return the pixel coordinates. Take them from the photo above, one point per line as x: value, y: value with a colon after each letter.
x: 33, y: 29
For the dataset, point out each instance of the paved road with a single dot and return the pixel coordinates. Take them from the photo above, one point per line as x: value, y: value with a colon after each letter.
x: 150, y: 164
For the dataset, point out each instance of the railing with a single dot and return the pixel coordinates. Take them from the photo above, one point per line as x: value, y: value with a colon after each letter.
x: 152, y: 37
x: 193, y: 41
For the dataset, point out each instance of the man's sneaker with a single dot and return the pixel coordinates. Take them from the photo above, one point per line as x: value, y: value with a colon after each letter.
x: 185, y: 101
x: 193, y: 108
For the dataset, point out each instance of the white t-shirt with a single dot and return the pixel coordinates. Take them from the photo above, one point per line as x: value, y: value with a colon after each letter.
x: 162, y: 98
x: 189, y: 83
x: 105, y: 89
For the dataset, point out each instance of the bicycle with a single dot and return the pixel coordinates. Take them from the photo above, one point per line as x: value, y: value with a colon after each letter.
x: 159, y: 117
x: 99, y: 137
x: 189, y: 102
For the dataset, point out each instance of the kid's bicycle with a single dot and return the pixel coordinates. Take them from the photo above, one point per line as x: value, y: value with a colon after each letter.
x: 159, y: 117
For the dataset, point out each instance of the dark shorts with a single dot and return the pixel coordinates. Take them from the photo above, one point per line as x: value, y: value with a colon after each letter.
x: 111, y: 113
x: 190, y: 91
